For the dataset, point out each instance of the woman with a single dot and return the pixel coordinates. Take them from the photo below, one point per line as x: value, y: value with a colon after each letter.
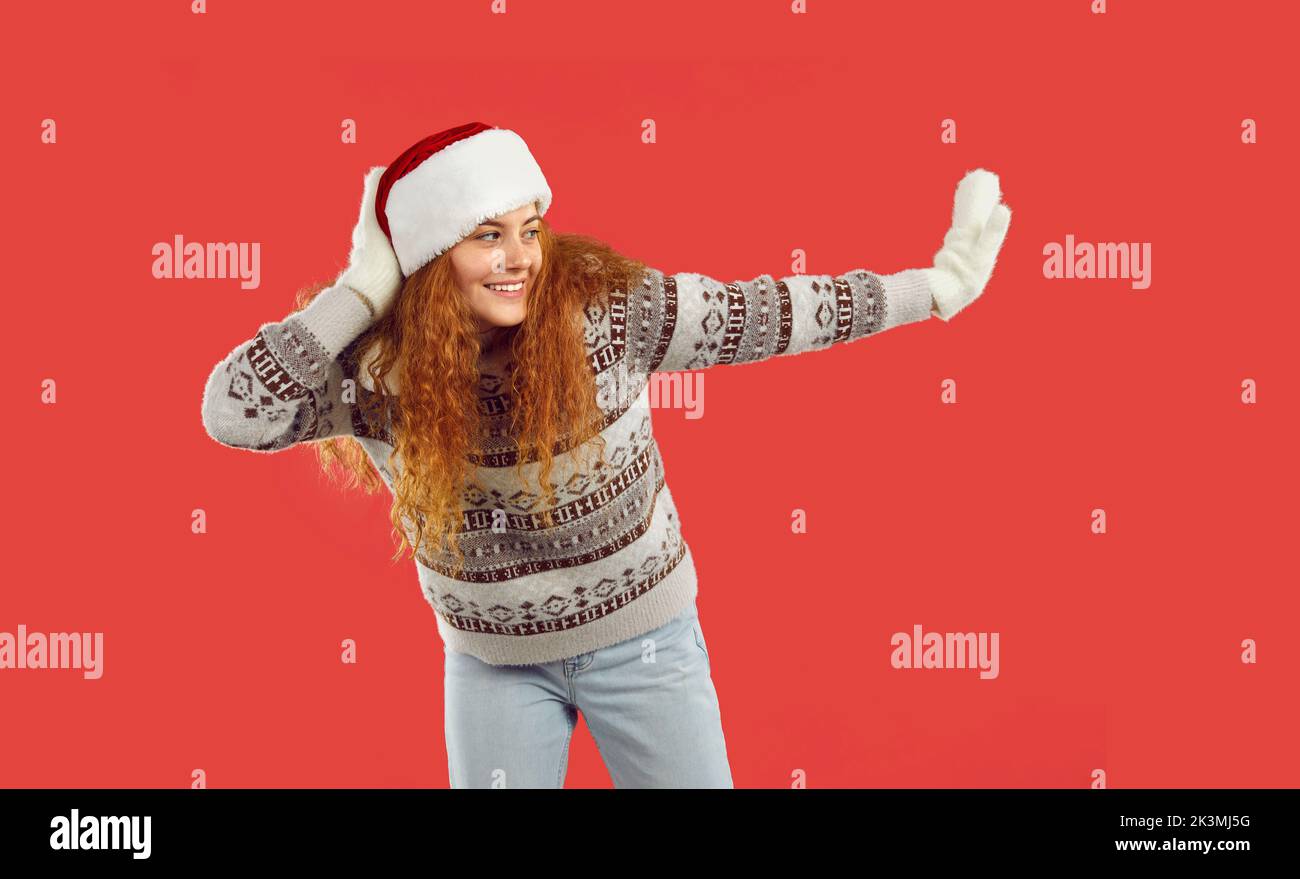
x: 494, y: 374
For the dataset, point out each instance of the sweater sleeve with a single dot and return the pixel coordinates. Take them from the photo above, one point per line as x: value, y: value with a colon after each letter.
x: 286, y: 385
x: 690, y: 321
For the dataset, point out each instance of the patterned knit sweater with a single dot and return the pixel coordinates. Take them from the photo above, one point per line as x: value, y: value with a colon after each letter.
x: 614, y: 564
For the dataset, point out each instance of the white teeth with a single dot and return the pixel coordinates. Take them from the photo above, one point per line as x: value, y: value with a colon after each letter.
x: 506, y: 288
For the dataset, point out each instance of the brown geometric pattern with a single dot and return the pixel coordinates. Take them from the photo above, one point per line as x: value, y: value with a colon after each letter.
x: 502, y: 452
x: 500, y: 490
x: 521, y: 558
x: 281, y: 421
x: 689, y: 321
x: 270, y: 406
x: 588, y: 599
x: 604, y: 325
x: 262, y: 409
x: 298, y: 351
x: 589, y: 528
x: 650, y: 320
x: 270, y: 369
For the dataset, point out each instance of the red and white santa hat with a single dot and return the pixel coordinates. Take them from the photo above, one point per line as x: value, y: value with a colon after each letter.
x: 440, y: 189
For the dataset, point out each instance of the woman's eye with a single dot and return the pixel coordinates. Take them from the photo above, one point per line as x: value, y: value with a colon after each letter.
x: 485, y: 235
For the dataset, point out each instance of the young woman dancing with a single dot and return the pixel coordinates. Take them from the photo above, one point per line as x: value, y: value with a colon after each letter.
x: 493, y: 374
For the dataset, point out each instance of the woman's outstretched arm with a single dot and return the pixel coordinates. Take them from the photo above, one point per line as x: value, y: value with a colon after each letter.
x: 690, y: 321
x: 286, y: 385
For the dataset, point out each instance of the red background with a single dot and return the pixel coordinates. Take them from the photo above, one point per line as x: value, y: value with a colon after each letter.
x: 775, y: 131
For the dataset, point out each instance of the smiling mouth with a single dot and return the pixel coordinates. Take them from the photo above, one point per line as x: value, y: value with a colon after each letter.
x: 508, y: 291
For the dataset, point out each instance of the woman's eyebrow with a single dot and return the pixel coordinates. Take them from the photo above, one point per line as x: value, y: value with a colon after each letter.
x: 500, y: 226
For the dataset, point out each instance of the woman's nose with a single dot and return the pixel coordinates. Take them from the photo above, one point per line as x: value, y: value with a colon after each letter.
x: 518, y: 255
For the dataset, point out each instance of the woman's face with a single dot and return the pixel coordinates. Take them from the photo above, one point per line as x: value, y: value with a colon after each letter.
x: 503, y: 250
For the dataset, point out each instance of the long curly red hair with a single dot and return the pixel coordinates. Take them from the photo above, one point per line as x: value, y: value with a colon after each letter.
x: 429, y: 340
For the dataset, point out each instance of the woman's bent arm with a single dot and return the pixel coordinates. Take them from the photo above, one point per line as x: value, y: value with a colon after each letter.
x: 287, y: 384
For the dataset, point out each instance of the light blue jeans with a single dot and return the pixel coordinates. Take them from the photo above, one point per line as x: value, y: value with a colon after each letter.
x: 649, y: 702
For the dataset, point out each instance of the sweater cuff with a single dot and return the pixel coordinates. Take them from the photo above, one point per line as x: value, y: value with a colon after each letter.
x: 908, y: 297
x: 946, y: 290
x: 335, y: 318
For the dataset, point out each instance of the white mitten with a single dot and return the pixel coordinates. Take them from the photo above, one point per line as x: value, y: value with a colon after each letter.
x: 963, y: 266
x: 373, y: 270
